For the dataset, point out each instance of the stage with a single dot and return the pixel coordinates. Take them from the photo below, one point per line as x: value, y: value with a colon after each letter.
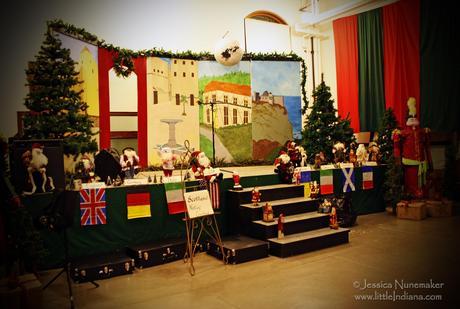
x: 119, y: 232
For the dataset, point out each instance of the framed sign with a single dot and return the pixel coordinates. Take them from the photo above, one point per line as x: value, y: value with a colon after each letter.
x: 198, y: 204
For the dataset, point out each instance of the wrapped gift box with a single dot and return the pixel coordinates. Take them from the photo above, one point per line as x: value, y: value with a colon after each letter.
x: 439, y: 208
x: 32, y: 292
x: 411, y: 210
x: 9, y: 297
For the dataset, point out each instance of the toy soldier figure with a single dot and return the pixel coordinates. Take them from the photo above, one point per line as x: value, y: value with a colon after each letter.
x: 412, y: 149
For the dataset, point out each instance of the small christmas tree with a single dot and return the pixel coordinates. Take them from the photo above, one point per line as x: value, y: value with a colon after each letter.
x: 56, y: 108
x: 324, y: 128
x: 387, y: 125
x: 393, y: 183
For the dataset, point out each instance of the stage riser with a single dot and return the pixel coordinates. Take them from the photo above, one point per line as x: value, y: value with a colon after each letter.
x: 308, y: 245
x: 265, y: 232
x: 270, y: 194
x: 96, y: 268
x: 254, y: 214
x: 156, y: 253
x: 240, y: 251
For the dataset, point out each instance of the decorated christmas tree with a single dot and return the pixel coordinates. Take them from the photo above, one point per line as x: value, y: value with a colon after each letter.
x: 324, y: 128
x: 388, y: 124
x: 56, y: 108
x: 393, y: 183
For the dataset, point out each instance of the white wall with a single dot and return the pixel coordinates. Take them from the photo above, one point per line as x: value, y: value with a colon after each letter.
x: 327, y: 61
x: 176, y: 25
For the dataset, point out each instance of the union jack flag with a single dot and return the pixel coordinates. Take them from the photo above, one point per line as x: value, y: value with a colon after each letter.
x: 92, y: 207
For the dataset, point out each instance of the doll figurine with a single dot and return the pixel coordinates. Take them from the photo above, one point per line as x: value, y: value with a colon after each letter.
x: 167, y: 161
x: 281, y: 226
x: 361, y: 155
x: 255, y: 196
x: 267, y: 213
x: 236, y: 181
x: 333, y: 219
x: 129, y: 162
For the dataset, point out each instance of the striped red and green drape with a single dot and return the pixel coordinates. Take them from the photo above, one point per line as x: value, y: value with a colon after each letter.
x: 346, y: 55
x: 405, y: 49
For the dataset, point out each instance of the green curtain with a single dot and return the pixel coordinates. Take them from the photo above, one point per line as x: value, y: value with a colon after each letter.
x: 371, y: 90
x: 440, y: 66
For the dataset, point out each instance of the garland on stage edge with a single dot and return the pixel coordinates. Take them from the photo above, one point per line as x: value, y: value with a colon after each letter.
x: 124, y: 64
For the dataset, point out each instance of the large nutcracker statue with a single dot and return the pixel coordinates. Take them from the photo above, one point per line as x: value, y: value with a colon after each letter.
x: 412, y: 149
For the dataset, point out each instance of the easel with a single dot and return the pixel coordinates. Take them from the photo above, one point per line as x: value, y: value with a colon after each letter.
x: 206, y: 225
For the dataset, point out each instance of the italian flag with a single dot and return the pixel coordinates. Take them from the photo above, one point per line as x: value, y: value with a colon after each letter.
x: 326, y: 182
x: 174, y: 197
x: 138, y: 205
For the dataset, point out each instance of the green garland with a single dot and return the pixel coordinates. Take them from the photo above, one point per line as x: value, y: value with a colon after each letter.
x: 123, y: 57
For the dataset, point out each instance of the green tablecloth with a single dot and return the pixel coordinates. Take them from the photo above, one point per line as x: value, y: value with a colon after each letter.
x: 120, y: 232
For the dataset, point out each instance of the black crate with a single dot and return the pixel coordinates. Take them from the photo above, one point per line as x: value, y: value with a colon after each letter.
x: 102, y: 266
x: 157, y: 252
x: 239, y: 249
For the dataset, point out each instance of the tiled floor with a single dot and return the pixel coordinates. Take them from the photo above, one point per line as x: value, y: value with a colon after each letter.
x: 383, y: 252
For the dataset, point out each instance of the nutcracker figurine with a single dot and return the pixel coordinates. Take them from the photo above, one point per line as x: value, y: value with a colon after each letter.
x: 412, y: 149
x: 333, y: 219
x: 236, y: 181
x: 255, y: 196
x: 280, y: 226
x: 267, y: 213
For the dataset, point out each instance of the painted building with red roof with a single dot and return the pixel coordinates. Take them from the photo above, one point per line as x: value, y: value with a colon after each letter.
x: 233, y: 104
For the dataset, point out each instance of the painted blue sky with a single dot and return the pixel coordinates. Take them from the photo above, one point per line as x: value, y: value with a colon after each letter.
x: 277, y: 77
x: 213, y: 68
x: 292, y: 104
x: 76, y: 46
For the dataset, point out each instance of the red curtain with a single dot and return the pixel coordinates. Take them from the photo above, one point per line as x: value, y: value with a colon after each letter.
x: 105, y: 62
x: 346, y: 57
x: 401, y: 51
x: 140, y: 67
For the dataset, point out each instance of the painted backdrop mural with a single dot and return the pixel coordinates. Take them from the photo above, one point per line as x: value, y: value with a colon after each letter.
x: 226, y: 96
x: 276, y: 106
x: 254, y: 106
x: 85, y: 56
x: 172, y: 86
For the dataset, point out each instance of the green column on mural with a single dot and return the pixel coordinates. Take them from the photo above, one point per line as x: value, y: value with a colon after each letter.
x: 371, y: 91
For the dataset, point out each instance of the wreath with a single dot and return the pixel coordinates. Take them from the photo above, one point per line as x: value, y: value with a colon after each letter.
x: 123, y: 64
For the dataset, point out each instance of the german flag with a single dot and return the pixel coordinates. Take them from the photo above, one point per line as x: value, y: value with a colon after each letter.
x: 138, y: 205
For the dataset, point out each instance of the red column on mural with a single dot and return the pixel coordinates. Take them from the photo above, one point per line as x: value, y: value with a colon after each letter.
x: 105, y: 63
x: 140, y: 67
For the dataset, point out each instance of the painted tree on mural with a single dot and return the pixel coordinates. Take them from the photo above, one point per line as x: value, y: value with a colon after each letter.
x: 56, y: 108
x: 323, y: 127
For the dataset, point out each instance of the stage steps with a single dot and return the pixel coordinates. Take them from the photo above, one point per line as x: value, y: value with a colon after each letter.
x: 304, y: 228
x: 307, y: 241
x: 289, y: 206
x: 292, y: 224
